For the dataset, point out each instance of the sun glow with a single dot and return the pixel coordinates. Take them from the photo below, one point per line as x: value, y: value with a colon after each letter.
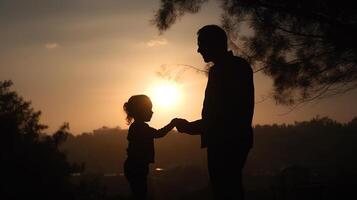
x: 165, y: 95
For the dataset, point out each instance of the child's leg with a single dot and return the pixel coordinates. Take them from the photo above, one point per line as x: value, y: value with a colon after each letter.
x: 138, y: 187
x: 136, y: 175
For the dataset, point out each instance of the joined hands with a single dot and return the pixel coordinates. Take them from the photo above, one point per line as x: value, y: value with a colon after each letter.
x: 180, y: 124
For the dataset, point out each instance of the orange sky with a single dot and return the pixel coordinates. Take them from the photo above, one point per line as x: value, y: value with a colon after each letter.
x: 79, y: 61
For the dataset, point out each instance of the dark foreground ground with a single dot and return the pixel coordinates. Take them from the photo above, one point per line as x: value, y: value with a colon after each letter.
x: 189, y: 183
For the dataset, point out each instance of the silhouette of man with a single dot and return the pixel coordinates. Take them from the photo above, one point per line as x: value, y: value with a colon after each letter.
x: 225, y: 127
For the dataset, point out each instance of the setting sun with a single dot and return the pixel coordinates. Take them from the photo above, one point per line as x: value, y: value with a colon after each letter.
x: 165, y: 95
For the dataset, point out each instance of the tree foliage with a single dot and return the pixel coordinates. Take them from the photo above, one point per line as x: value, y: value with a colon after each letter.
x: 307, y: 47
x: 31, y: 162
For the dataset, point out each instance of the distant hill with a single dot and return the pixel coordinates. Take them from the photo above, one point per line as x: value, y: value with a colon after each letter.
x: 321, y: 143
x: 104, y: 150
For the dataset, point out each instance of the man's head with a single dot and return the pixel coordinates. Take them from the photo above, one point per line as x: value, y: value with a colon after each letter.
x: 212, y: 42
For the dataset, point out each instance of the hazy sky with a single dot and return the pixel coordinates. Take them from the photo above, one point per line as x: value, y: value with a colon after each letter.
x: 78, y: 61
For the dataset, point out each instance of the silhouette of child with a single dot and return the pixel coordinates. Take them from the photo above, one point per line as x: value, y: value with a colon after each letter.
x: 140, y: 151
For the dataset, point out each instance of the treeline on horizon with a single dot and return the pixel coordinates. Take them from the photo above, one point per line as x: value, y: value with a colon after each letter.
x: 321, y: 144
x: 40, y: 165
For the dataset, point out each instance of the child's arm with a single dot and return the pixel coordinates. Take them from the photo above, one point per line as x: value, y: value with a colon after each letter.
x: 163, y: 131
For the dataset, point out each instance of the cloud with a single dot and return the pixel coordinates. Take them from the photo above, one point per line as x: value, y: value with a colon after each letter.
x: 51, y: 45
x: 157, y: 42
